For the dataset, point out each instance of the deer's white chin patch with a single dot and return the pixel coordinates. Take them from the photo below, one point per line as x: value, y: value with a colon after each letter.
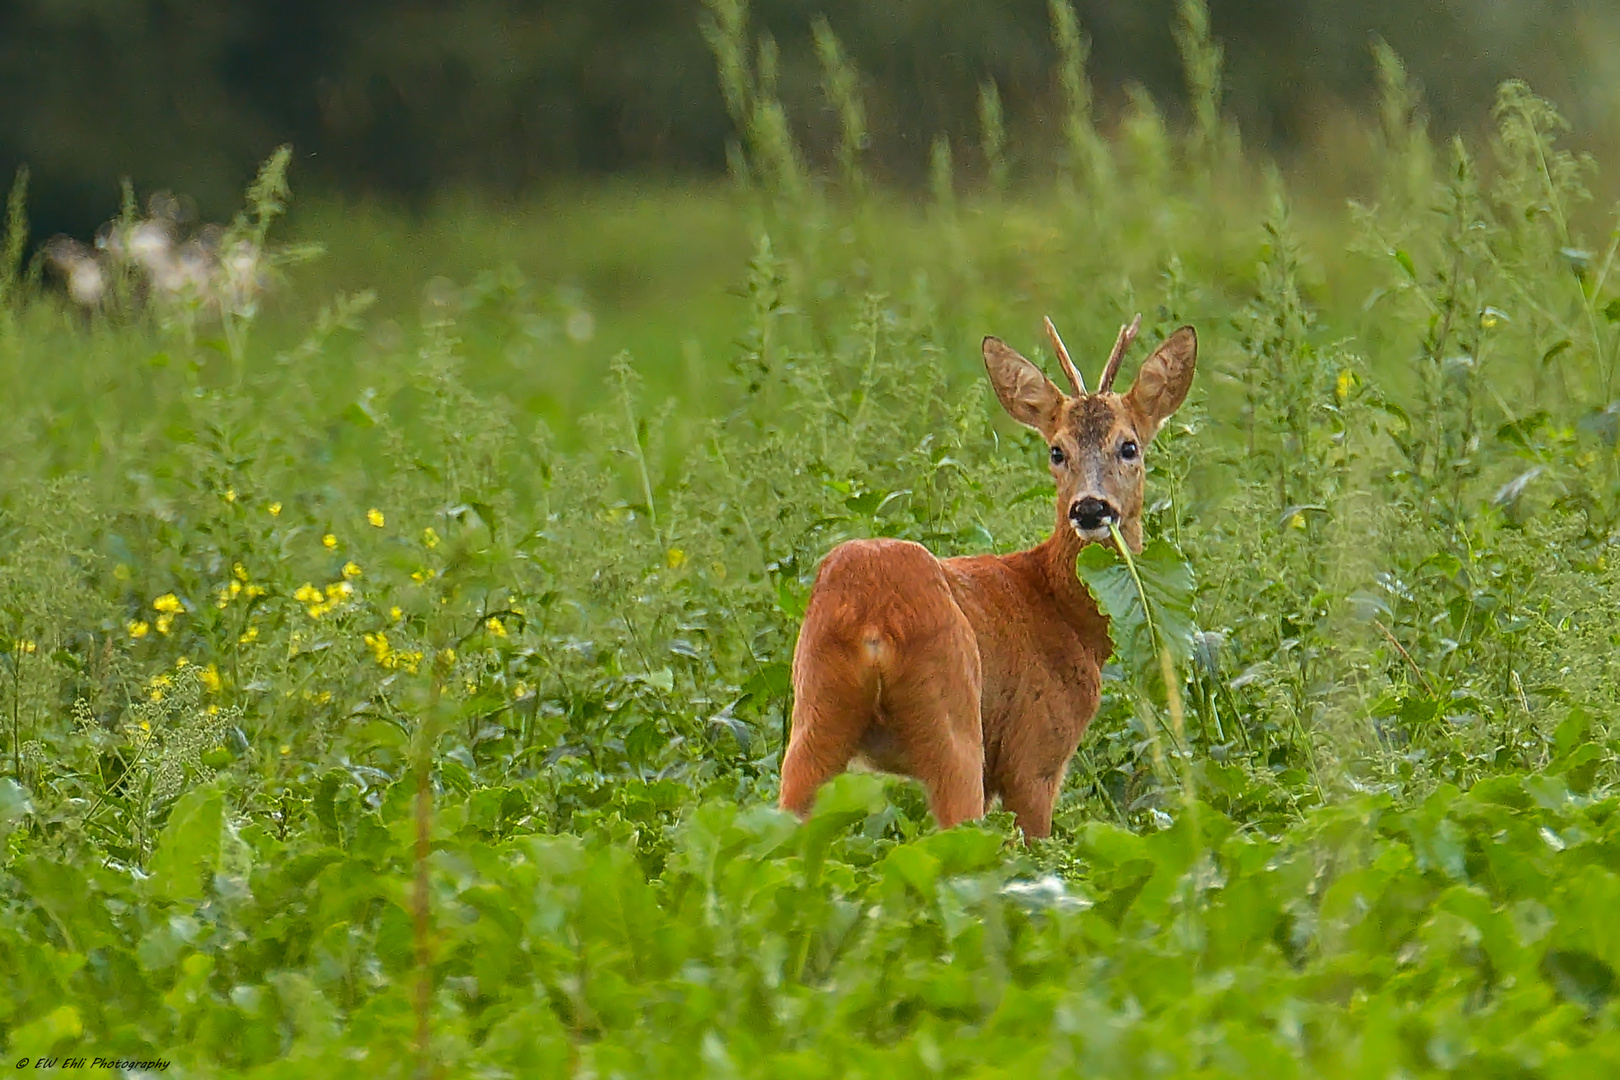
x: 1096, y: 535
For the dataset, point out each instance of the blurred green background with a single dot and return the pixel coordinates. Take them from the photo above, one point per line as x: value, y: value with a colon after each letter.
x: 405, y: 101
x: 563, y: 167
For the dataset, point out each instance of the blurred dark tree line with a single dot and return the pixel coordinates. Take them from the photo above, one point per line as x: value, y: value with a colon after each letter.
x: 406, y: 99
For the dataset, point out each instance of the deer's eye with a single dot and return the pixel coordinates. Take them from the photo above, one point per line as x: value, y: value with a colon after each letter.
x: 1058, y: 457
x: 1130, y: 450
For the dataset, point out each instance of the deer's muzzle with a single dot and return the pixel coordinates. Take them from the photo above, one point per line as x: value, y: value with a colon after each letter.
x: 1092, y: 516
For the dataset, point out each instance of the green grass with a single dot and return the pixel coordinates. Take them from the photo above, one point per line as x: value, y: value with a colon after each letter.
x: 408, y: 695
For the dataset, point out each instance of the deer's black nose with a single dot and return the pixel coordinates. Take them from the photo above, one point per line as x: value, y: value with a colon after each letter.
x: 1092, y: 513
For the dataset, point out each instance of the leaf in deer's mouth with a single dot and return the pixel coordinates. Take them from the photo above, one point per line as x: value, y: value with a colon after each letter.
x: 1167, y: 583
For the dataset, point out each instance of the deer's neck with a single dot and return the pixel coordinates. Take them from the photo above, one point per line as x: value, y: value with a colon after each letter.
x: 1055, y: 560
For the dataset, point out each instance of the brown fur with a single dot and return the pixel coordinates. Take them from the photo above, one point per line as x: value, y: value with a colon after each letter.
x: 977, y: 675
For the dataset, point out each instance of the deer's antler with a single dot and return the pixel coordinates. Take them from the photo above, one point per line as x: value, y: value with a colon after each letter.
x: 1063, y: 358
x: 1127, y: 334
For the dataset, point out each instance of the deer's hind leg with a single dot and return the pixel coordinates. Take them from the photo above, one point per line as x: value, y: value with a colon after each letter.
x: 830, y: 714
x: 933, y: 710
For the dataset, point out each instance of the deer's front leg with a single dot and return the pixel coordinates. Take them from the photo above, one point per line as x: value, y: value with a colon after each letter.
x: 1032, y: 800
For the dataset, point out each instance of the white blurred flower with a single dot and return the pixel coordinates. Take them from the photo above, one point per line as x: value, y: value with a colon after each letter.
x: 580, y: 326
x: 86, y: 284
x: 198, y: 273
x: 80, y: 269
x: 149, y: 244
x: 242, y: 277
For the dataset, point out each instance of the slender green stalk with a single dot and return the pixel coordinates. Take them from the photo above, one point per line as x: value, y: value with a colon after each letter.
x: 16, y: 238
x: 841, y: 82
x: 1089, y: 157
x: 993, y: 136
x: 623, y: 374
x: 1201, y: 59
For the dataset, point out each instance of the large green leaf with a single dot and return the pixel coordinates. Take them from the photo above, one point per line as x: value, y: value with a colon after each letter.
x: 1148, y: 610
x: 188, y: 851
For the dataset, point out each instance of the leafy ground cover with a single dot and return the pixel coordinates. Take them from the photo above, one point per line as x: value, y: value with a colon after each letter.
x: 355, y: 712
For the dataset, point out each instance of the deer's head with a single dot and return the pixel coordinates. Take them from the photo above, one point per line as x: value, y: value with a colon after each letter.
x: 1096, y: 440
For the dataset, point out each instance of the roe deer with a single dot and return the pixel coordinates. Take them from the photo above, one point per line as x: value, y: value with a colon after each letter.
x: 978, y: 675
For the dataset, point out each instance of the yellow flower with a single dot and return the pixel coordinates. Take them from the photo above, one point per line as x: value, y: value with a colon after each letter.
x: 1297, y: 521
x: 394, y: 613
x: 520, y: 690
x: 430, y: 538
x: 374, y: 518
x: 168, y: 603
x: 182, y: 661
x: 318, y: 602
x: 329, y: 540
x: 210, y: 678
x: 137, y: 628
x: 389, y: 657
x: 351, y: 569
x: 675, y: 558
x: 241, y: 573
x: 495, y: 626
x: 379, y: 645
x: 285, y: 749
x: 1347, y: 382
x: 275, y: 509
x: 25, y: 646
x: 448, y: 655
x: 230, y: 495
x: 1488, y: 319
x: 249, y: 636
x: 421, y: 577
x: 156, y: 686
x: 164, y: 623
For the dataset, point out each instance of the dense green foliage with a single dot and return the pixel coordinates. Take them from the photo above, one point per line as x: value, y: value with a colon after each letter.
x: 354, y: 717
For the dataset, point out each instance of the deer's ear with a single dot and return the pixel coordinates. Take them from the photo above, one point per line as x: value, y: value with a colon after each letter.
x: 1166, y: 376
x: 1028, y: 396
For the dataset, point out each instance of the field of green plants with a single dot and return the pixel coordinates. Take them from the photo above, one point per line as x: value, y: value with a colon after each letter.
x: 396, y: 680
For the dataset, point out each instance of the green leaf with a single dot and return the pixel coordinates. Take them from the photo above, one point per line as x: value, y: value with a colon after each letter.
x: 45, y: 1034
x: 188, y: 852
x: 771, y: 680
x: 1579, y: 977
x: 14, y: 806
x: 1141, y: 620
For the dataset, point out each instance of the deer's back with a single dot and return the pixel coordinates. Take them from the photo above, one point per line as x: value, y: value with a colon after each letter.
x: 876, y: 597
